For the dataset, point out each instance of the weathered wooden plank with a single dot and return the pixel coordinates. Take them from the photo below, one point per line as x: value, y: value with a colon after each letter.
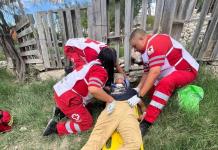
x: 211, y: 44
x: 215, y: 52
x: 26, y: 43
x: 90, y: 16
x: 209, y: 33
x: 33, y: 61
x: 197, y: 31
x: 144, y: 14
x: 69, y: 24
x: 127, y: 32
x: 81, y: 8
x: 158, y: 15
x: 43, y: 45
x: 168, y: 16
x: 54, y: 37
x: 25, y: 32
x: 104, y: 21
x: 62, y: 26
x: 48, y: 38
x: 177, y: 30
x: 117, y: 26
x: 183, y: 12
x: 78, y: 22
x: 21, y: 24
x: 98, y: 23
x: 30, y: 52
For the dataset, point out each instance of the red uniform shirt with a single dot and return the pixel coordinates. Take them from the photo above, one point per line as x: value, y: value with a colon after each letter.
x: 157, y: 49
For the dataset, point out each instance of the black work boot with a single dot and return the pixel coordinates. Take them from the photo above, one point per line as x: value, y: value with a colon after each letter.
x: 57, y: 114
x: 144, y: 127
x: 50, y: 128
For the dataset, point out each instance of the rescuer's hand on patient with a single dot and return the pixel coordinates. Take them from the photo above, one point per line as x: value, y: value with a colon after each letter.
x: 136, y: 89
x: 111, y: 106
x: 134, y: 100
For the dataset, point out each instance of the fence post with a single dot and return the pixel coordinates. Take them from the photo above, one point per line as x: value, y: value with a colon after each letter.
x: 158, y: 15
x: 144, y: 14
x: 210, y: 31
x: 78, y: 22
x: 55, y: 41
x: 168, y: 16
x: 42, y: 38
x: 117, y: 26
x: 90, y: 16
x: 197, y: 31
x: 127, y: 32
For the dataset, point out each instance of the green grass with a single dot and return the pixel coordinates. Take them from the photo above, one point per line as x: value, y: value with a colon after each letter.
x: 31, y: 105
x: 2, y: 55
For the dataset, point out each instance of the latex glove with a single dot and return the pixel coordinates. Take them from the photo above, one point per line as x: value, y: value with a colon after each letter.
x: 111, y: 106
x: 134, y: 100
x: 137, y: 89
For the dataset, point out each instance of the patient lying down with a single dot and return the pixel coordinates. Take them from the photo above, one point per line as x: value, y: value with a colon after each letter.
x: 123, y: 120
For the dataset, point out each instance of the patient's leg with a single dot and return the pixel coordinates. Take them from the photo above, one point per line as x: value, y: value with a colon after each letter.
x: 104, y: 127
x: 129, y: 130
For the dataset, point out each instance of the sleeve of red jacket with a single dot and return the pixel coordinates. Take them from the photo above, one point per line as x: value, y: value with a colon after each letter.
x: 97, y: 77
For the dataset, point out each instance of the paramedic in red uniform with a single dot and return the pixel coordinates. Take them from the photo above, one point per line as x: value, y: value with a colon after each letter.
x: 83, y: 50
x: 72, y: 93
x: 168, y: 66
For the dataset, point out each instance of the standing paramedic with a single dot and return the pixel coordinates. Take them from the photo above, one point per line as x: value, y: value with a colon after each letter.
x: 168, y: 65
x: 73, y: 91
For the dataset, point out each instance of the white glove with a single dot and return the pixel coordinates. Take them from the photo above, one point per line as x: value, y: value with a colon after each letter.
x: 133, y: 101
x: 137, y: 89
x: 111, y: 106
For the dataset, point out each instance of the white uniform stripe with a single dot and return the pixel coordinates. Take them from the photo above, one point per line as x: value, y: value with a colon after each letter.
x: 156, y: 104
x: 157, y: 57
x: 169, y: 51
x: 156, y: 62
x: 68, y: 128
x: 96, y: 83
x: 96, y: 79
x: 161, y: 95
x: 77, y: 128
x: 178, y: 61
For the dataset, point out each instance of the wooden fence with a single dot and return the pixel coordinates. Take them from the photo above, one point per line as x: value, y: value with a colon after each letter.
x: 55, y: 27
x: 29, y: 45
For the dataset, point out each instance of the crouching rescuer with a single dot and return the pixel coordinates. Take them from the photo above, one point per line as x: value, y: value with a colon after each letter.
x: 73, y: 92
x: 167, y: 66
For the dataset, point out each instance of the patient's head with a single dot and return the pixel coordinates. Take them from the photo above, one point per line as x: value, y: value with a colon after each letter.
x: 119, y: 78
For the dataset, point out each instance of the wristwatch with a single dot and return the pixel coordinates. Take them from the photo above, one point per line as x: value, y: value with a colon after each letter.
x: 139, y: 96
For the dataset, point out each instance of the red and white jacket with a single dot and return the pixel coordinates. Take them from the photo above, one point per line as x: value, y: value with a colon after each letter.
x: 86, y: 48
x: 78, y: 81
x: 162, y: 50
